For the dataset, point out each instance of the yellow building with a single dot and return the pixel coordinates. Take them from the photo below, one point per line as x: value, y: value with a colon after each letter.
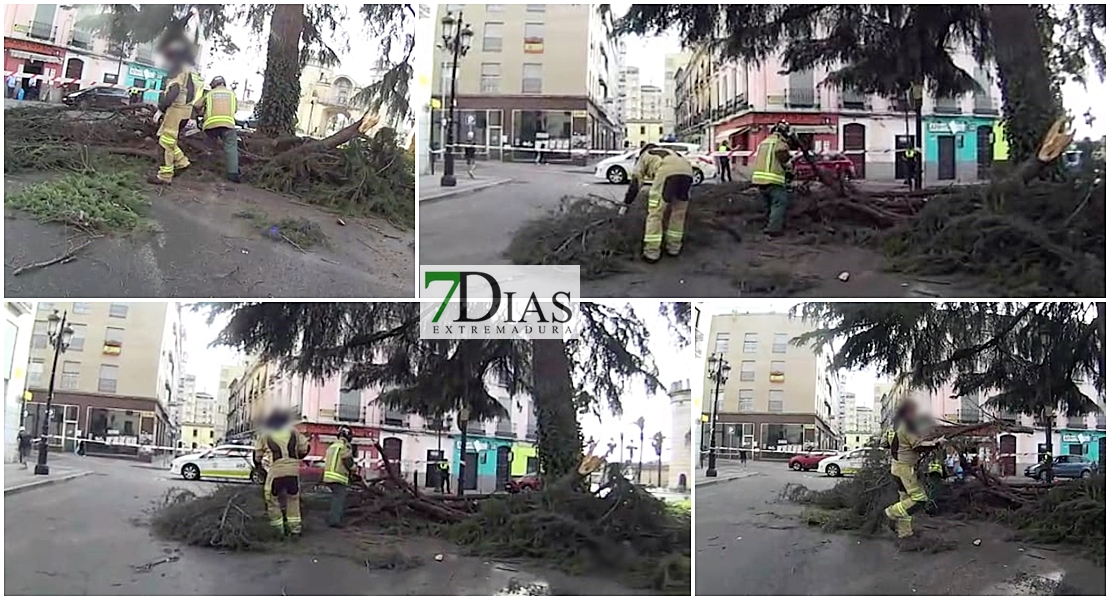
x: 197, y: 436
x: 641, y: 131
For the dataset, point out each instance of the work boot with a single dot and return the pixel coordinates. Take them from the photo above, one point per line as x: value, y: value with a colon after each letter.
x: 772, y: 232
x: 156, y: 180
x: 234, y: 178
x: 650, y: 259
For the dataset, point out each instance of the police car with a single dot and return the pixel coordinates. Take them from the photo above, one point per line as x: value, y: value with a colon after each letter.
x: 227, y: 461
x: 847, y: 463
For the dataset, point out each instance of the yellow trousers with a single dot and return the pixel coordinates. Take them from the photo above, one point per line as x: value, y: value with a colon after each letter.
x: 910, y: 495
x: 173, y: 157
x: 285, y: 489
x: 654, y: 234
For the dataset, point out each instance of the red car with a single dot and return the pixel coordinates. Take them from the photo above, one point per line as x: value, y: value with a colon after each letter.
x: 808, y: 462
x: 839, y: 165
x: 524, y: 483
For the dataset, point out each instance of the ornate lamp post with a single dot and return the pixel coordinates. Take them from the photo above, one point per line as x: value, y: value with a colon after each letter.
x: 60, y: 335
x: 456, y: 40
x: 718, y: 372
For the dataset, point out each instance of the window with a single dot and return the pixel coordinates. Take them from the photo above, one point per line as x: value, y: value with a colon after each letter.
x: 117, y: 310
x: 491, y: 39
x: 350, y: 406
x: 747, y: 400
x: 82, y: 308
x: 747, y: 370
x: 113, y: 339
x: 720, y: 346
x: 533, y: 34
x: 532, y: 81
x: 495, y: 8
x: 751, y: 343
x: 778, y: 371
x: 39, y: 338
x: 34, y: 373
x: 109, y: 374
x: 774, y: 401
x: 491, y: 78
x: 71, y: 374
x: 77, y: 342
x: 46, y: 306
x: 196, y: 433
x: 539, y: 8
x: 643, y: 130
x: 778, y: 346
x: 212, y: 434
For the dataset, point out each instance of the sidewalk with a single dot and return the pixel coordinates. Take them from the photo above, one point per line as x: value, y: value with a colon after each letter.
x: 431, y: 190
x: 727, y: 470
x: 17, y: 479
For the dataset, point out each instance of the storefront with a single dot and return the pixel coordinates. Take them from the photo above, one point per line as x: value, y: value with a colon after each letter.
x: 1088, y: 443
x: 31, y: 62
x: 145, y: 78
x: 525, y: 459
x: 768, y: 436
x: 743, y: 133
x: 488, y: 462
x: 958, y: 148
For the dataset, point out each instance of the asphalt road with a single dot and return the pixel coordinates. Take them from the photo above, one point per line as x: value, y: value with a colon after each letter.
x: 90, y: 536
x: 747, y: 542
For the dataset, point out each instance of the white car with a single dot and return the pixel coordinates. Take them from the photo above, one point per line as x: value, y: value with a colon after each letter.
x: 847, y: 463
x: 228, y: 461
x: 616, y: 169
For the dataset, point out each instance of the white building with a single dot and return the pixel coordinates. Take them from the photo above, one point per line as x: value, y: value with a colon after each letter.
x: 864, y: 420
x: 651, y: 102
x: 672, y: 63
x: 19, y: 324
x: 630, y: 78
x: 680, y: 473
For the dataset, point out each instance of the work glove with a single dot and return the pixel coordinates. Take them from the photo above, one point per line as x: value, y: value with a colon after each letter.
x: 789, y: 176
x: 157, y: 117
x: 630, y: 194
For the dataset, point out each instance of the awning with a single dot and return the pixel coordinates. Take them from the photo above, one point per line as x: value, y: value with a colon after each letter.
x: 724, y: 135
x: 831, y: 129
x: 33, y: 56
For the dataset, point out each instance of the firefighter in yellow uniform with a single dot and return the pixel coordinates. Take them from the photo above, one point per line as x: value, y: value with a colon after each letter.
x: 771, y: 173
x: 220, y: 106
x: 282, y: 447
x: 338, y: 464
x: 182, y: 90
x: 905, y: 448
x: 671, y: 178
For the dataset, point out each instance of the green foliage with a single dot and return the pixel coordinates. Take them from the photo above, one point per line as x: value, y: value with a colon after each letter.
x: 232, y: 517
x: 391, y: 23
x: 99, y: 202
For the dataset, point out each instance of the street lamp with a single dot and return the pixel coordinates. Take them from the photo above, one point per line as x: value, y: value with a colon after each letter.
x: 456, y: 40
x: 59, y: 334
x: 718, y: 372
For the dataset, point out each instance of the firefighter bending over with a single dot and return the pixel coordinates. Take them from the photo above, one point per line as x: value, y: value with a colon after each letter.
x: 905, y: 448
x: 671, y: 178
x: 282, y: 447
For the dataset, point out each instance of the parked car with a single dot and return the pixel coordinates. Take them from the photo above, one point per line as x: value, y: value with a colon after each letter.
x: 228, y: 461
x: 524, y: 483
x: 1064, y: 467
x: 616, y: 169
x: 847, y: 463
x: 98, y: 97
x: 245, y: 119
x: 839, y: 165
x: 808, y: 461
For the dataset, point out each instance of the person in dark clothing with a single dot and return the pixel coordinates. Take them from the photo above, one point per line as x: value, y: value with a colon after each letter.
x: 24, y: 442
x: 743, y: 457
x: 470, y: 152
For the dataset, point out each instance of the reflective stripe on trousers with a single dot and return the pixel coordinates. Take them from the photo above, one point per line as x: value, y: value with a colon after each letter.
x: 653, y: 225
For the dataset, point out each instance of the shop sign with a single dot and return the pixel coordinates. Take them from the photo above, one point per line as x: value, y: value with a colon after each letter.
x: 579, y: 114
x: 1075, y: 438
x: 533, y: 46
x: 143, y: 73
x: 947, y: 127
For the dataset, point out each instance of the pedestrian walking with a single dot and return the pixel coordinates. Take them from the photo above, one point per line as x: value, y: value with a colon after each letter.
x: 12, y: 83
x: 470, y: 153
x: 724, y: 162
x: 541, y: 154
x: 743, y: 457
x: 24, y: 443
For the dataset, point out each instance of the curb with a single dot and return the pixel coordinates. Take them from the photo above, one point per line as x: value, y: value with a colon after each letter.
x: 716, y: 480
x: 465, y: 190
x: 30, y: 485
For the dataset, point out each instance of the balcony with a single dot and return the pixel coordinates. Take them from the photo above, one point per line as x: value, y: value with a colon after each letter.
x: 504, y: 428
x: 476, y: 427
x: 794, y: 98
x: 968, y: 416
x: 335, y: 100
x: 39, y: 30
x: 948, y: 106
x: 394, y: 419
x: 80, y: 39
x: 347, y: 413
x: 984, y: 105
x: 900, y: 105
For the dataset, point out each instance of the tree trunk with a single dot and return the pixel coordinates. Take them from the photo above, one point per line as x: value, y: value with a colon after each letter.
x: 462, y: 457
x: 559, y: 436
x: 281, y: 86
x: 1028, y: 105
x: 1049, y: 474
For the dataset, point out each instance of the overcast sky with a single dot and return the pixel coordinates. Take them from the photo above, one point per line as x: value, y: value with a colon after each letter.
x: 674, y: 364
x: 861, y: 383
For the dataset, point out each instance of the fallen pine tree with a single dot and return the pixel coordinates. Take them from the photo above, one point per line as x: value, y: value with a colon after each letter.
x: 1024, y: 235
x: 346, y: 171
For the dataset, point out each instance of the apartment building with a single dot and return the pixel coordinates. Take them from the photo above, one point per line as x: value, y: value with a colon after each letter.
x: 864, y: 420
x: 672, y: 62
x: 536, y: 76
x: 846, y: 410
x: 738, y: 103
x: 412, y: 444
x: 46, y: 45
x: 228, y: 375
x: 116, y: 380
x: 630, y: 90
x: 779, y: 398
x: 19, y: 322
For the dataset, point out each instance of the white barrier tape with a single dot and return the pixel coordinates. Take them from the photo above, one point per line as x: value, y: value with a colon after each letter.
x: 68, y: 80
x: 572, y: 151
x: 114, y: 444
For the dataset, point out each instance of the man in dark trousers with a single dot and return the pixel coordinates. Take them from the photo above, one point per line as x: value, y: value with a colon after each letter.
x: 724, y: 162
x: 24, y: 442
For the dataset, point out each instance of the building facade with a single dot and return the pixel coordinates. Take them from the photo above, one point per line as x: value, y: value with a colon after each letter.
x: 537, y: 76
x: 326, y: 103
x: 738, y: 103
x: 672, y: 62
x: 228, y: 375
x: 679, y: 473
x: 642, y: 131
x: 19, y: 321
x: 113, y: 378
x: 771, y: 403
